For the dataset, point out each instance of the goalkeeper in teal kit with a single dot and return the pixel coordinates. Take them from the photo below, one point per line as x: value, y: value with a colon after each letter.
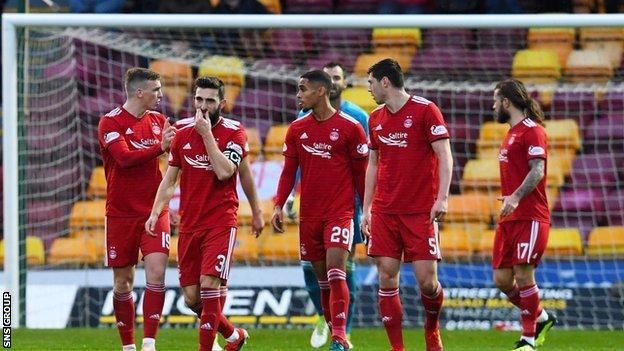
x: 321, y: 330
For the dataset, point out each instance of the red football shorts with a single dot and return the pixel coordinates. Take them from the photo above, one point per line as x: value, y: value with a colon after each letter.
x: 519, y: 242
x: 315, y: 237
x: 409, y: 236
x: 205, y: 252
x: 126, y: 235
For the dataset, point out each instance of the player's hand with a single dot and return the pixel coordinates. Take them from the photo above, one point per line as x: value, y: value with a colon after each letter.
x: 365, y: 227
x: 202, y: 124
x: 277, y: 221
x: 438, y: 211
x: 257, y: 224
x: 510, y: 203
x: 168, y: 134
x: 150, y: 225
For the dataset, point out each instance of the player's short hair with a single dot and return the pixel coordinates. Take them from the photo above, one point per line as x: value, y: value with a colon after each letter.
x: 515, y: 91
x: 333, y: 64
x: 137, y: 75
x: 209, y: 82
x: 319, y: 77
x: 388, y: 68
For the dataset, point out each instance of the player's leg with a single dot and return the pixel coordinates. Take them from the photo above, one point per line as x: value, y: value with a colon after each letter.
x: 122, y: 250
x: 422, y: 249
x: 211, y: 311
x: 351, y: 276
x: 313, y: 251
x: 156, y: 254
x: 390, y: 307
x: 321, y: 330
x: 386, y: 246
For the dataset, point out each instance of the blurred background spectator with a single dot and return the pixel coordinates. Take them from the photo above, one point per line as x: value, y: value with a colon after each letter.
x: 240, y: 7
x: 411, y: 7
x: 97, y: 6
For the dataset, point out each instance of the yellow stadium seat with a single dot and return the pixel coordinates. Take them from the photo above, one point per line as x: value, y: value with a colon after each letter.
x: 280, y: 247
x: 176, y: 95
x: 97, y: 236
x: 246, y: 247
x: 173, y: 73
x: 454, y: 242
x: 536, y: 66
x: 88, y: 214
x: 481, y: 174
x: 35, y: 251
x: 230, y: 69
x: 560, y: 40
x: 612, y: 50
x: 609, y: 40
x: 473, y: 229
x: 563, y: 134
x: 485, y: 242
x: 564, y: 241
x: 97, y: 183
x: 244, y: 212
x: 403, y: 40
x: 173, y: 249
x: 588, y: 65
x: 274, y: 6
x: 606, y: 241
x: 365, y: 61
x: 231, y: 93
x: 360, y: 253
x: 471, y: 207
x: 255, y: 144
x: 361, y: 97
x: 274, y: 141
x: 72, y: 251
x: 490, y: 138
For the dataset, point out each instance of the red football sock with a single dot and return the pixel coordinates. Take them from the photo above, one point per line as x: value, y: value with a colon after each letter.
x: 339, y: 302
x: 433, y: 306
x: 152, y: 308
x: 391, y: 312
x: 124, y: 315
x: 209, y: 321
x: 225, y: 327
x: 514, y: 297
x: 325, y: 297
x: 529, y: 306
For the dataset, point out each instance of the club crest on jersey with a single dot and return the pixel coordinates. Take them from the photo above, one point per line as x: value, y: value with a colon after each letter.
x: 333, y: 136
x: 536, y: 150
x: 512, y: 139
x: 155, y: 129
x: 108, y: 137
x: 408, y: 122
x: 362, y: 149
x: 438, y: 130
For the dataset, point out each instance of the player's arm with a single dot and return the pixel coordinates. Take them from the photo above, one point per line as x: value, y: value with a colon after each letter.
x: 224, y: 163
x: 535, y: 175
x: 163, y: 196
x: 285, y: 185
x: 249, y: 187
x: 369, y: 189
x: 442, y: 149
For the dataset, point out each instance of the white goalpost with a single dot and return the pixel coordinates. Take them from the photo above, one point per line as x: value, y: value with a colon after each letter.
x: 104, y: 33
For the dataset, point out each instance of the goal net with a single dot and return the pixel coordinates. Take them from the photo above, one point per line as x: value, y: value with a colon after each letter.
x: 68, y: 76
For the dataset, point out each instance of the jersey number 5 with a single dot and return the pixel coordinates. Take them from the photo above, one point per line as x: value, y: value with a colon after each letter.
x: 340, y: 235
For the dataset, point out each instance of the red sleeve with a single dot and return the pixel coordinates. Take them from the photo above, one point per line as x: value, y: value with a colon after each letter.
x: 239, y: 143
x: 174, y: 152
x: 434, y: 124
x: 127, y: 158
x: 287, y: 180
x: 535, y: 141
x: 358, y: 147
x: 109, y: 132
x: 372, y: 134
x: 358, y: 167
x: 290, y: 144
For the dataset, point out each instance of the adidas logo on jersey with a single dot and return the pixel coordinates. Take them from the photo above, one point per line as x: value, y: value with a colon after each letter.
x: 378, y: 127
x: 206, y: 326
x: 303, y: 136
x: 187, y: 146
x: 386, y: 319
x: 121, y: 324
x: 341, y: 315
x: 155, y: 316
x: 129, y: 131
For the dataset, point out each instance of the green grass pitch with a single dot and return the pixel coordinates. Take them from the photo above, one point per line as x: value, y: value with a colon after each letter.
x: 282, y: 339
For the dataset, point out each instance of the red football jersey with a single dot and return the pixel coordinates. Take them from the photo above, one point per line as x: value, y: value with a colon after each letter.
x: 131, y: 189
x: 324, y: 150
x: 525, y: 141
x: 407, y: 173
x: 205, y: 201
